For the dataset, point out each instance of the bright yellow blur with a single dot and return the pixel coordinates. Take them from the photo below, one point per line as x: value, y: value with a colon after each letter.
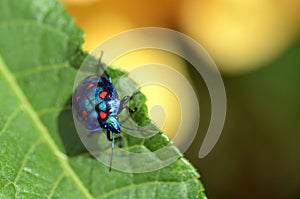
x: 241, y: 34
x: 103, y: 18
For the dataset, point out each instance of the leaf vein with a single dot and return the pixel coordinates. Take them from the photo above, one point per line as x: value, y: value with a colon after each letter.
x: 55, y: 184
x: 7, y: 184
x: 26, y: 22
x: 24, y: 161
x: 9, y: 119
x: 32, y: 193
x: 40, y: 69
x: 51, y: 110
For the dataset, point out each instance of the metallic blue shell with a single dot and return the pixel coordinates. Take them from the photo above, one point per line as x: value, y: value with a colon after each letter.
x: 87, y: 100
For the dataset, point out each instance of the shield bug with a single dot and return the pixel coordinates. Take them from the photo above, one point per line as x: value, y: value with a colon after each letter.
x: 96, y: 105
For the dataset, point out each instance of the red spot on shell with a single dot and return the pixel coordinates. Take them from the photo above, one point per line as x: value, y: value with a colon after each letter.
x: 103, y: 94
x: 102, y: 114
x: 77, y: 98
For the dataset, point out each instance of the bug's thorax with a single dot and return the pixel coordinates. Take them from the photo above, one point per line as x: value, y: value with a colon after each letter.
x: 107, y: 111
x: 107, y: 108
x: 113, y: 106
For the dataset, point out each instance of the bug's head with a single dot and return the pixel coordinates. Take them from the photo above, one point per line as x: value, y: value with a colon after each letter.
x: 112, y: 124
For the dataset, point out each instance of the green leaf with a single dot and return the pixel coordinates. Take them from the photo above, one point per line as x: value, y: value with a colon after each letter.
x: 41, y: 155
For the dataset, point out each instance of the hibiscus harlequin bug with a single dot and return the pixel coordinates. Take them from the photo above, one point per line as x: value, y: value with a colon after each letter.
x: 96, y: 104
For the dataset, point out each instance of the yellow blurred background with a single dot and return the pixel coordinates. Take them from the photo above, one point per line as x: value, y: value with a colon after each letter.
x: 255, y: 44
x: 239, y: 34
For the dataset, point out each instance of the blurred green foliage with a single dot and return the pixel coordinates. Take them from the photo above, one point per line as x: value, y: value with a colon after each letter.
x: 258, y: 153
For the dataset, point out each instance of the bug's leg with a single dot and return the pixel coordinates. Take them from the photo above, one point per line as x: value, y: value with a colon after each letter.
x: 112, y: 146
x: 124, y: 101
x: 119, y: 137
x: 127, y: 98
x: 108, y: 135
x: 123, y: 106
x: 134, y: 94
x: 103, y: 68
x: 130, y: 110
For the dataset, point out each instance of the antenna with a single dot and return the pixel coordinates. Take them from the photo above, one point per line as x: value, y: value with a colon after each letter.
x: 102, y: 66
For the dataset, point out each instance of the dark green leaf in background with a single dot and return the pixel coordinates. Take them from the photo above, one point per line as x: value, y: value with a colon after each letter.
x: 41, y: 155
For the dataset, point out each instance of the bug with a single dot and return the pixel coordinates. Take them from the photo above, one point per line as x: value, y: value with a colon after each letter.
x: 96, y: 104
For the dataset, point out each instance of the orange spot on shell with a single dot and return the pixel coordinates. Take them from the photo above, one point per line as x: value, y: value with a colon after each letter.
x: 93, y: 76
x: 90, y: 86
x: 84, y: 113
x: 77, y: 98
